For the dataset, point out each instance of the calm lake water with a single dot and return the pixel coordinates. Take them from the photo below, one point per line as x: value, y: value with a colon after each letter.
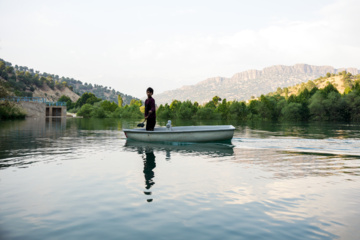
x: 81, y: 179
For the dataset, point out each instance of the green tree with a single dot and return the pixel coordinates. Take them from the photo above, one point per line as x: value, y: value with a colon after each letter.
x: 206, y: 113
x: 98, y: 112
x: 286, y: 91
x: 223, y: 109
x: 108, y: 106
x: 2, y: 65
x: 237, y: 110
x: 86, y: 110
x: 87, y: 97
x: 120, y: 101
x: 310, y: 85
x: 216, y: 100
x: 292, y: 112
x: 69, y: 103
x: 267, y: 107
x: 136, y: 102
x: 164, y: 112
x: 186, y: 110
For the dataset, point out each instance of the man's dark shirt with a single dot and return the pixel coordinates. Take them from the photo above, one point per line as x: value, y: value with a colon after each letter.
x: 150, y: 105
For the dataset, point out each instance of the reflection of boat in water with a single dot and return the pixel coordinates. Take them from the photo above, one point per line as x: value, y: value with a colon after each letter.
x: 211, y: 149
x: 183, y: 134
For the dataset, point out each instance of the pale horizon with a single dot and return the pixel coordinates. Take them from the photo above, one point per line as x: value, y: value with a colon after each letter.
x: 167, y: 45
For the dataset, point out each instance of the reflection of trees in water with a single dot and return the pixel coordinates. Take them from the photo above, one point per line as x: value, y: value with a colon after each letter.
x: 149, y: 165
x: 286, y: 164
x: 18, y: 138
x: 313, y: 130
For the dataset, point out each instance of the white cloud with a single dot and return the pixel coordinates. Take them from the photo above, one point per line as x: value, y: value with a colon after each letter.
x: 167, y: 50
x: 313, y: 42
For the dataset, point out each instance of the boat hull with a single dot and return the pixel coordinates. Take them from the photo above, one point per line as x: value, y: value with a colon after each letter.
x: 183, y: 134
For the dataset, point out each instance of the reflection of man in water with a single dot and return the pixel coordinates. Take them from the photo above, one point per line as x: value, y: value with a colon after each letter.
x: 149, y: 165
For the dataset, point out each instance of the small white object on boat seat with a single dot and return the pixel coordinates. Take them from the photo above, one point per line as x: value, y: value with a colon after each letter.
x: 168, y: 126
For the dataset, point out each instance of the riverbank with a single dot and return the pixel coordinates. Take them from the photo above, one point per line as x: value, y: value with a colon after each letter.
x: 10, y: 110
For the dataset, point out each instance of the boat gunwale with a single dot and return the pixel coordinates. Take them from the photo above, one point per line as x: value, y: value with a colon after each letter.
x: 142, y: 131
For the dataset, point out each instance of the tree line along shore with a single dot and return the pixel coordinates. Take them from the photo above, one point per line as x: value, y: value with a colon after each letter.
x: 326, y: 104
x: 309, y: 104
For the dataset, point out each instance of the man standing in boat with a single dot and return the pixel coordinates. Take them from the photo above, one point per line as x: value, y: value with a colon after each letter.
x: 150, y: 115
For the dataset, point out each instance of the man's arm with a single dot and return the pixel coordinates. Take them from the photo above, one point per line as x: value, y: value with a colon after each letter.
x: 152, y: 106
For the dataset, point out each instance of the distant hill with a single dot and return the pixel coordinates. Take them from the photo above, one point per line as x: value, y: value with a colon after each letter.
x: 24, y: 81
x: 105, y: 93
x: 243, y: 85
x: 342, y: 81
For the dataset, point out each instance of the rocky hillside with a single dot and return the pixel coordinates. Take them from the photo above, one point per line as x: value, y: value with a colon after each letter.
x: 343, y: 82
x: 53, y: 95
x: 243, y: 85
x: 27, y: 82
x: 105, y: 93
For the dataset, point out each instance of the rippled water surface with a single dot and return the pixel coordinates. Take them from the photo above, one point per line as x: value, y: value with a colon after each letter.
x: 81, y: 179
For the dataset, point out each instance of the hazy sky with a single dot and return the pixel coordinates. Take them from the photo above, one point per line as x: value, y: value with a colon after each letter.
x: 130, y: 45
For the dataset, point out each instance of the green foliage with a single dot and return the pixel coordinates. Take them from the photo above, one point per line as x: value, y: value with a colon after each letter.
x: 164, y: 112
x: 328, y: 105
x: 64, y: 98
x: 3, y: 91
x: 310, y: 85
x: 135, y: 102
x: 175, y: 105
x: 186, y: 110
x: 352, y: 101
x: 292, y: 112
x: 223, y: 109
x: 86, y: 110
x: 348, y: 84
x: 286, y: 91
x: 9, y: 110
x: 129, y: 111
x: 206, y: 114
x: 216, y: 99
x: 108, y: 106
x: 120, y: 101
x: 90, y: 106
x: 309, y: 105
x: 237, y: 111
x: 87, y: 98
x: 69, y: 103
x: 23, y: 79
x: 99, y: 112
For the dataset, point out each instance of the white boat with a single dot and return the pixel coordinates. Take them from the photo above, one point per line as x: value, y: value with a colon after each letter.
x: 183, y: 134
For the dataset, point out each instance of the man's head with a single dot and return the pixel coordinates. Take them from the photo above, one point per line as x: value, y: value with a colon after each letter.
x: 149, y: 92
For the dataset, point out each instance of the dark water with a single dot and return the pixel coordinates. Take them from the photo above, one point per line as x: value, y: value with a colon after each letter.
x: 81, y: 179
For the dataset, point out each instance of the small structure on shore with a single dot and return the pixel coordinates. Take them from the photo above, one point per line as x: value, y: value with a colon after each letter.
x: 39, y: 107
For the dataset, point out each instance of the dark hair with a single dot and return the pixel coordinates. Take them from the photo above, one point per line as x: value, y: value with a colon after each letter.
x: 150, y: 90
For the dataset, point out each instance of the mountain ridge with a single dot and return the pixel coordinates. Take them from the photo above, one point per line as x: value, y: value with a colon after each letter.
x: 257, y: 82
